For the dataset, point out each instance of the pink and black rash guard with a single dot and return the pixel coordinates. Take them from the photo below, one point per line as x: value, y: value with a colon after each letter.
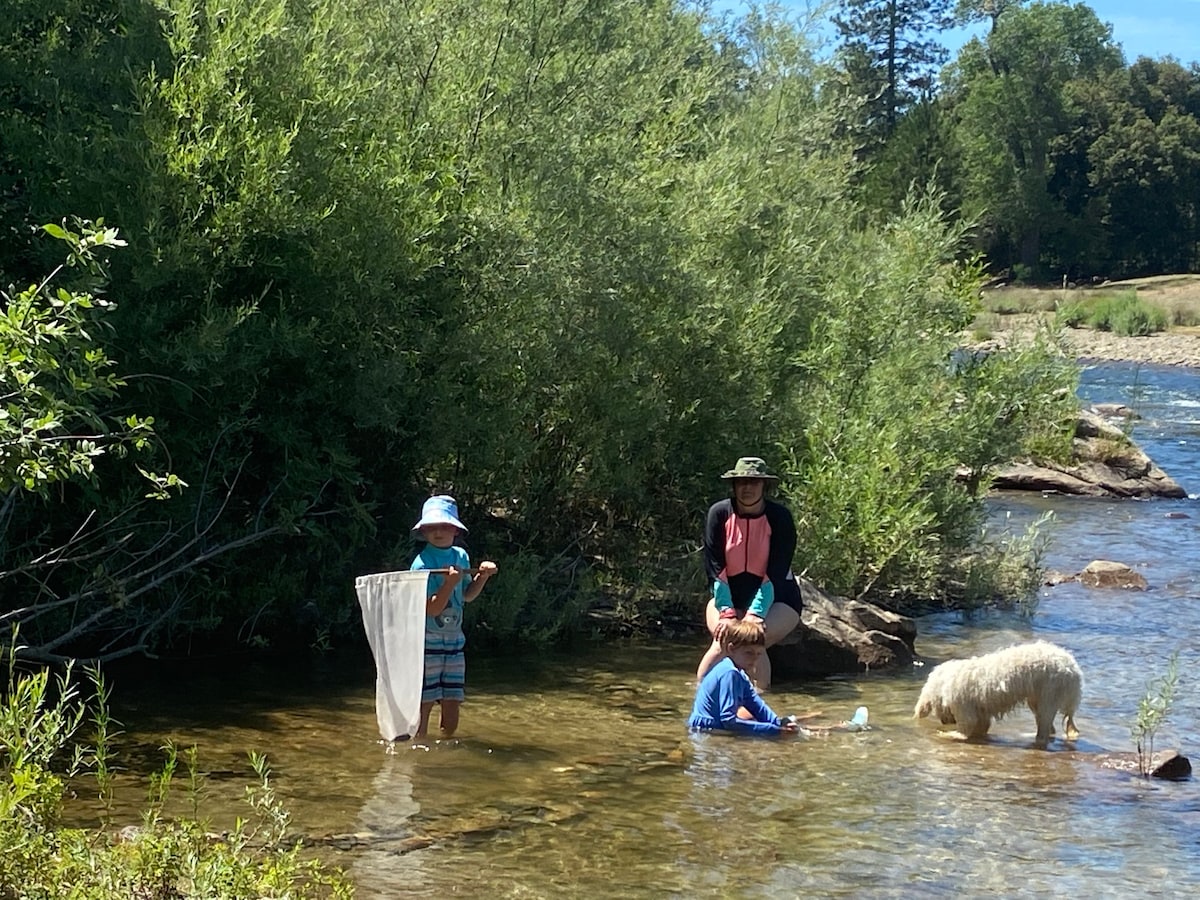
x: 745, y: 552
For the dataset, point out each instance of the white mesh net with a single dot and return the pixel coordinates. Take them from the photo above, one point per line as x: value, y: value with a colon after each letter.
x: 393, y: 611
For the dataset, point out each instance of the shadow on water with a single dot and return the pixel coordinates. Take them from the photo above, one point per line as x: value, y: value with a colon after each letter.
x: 574, y: 775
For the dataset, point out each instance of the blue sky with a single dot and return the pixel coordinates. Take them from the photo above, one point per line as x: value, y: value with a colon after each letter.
x: 1154, y: 27
x: 1142, y: 27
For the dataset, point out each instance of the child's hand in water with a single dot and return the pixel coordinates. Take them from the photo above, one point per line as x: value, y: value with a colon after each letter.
x: 790, y: 726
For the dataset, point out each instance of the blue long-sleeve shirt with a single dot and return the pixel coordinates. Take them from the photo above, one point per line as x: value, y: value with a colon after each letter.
x: 721, y: 692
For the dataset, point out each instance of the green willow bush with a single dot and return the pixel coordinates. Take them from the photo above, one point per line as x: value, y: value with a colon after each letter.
x: 1123, y: 313
x: 1153, y: 710
x: 896, y: 412
x: 564, y: 260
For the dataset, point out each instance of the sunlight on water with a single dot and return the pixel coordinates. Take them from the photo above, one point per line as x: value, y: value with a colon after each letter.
x: 574, y: 774
x: 577, y: 778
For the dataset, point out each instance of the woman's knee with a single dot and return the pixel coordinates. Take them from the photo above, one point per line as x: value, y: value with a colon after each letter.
x: 780, y: 622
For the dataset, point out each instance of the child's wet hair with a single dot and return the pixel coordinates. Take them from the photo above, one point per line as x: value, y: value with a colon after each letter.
x: 741, y: 633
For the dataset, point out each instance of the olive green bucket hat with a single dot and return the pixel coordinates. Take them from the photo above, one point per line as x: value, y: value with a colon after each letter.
x: 750, y: 467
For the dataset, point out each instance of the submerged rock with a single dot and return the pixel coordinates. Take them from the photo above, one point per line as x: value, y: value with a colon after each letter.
x: 1101, y: 573
x: 837, y: 635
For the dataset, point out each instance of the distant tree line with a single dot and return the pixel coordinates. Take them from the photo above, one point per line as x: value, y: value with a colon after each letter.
x: 565, y: 260
x: 1064, y: 159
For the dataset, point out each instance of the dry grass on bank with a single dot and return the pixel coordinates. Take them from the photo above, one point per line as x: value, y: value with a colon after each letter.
x: 1013, y: 316
x: 1178, y: 296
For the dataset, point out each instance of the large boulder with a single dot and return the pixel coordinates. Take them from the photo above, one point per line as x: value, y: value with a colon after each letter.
x: 837, y: 635
x: 1105, y: 464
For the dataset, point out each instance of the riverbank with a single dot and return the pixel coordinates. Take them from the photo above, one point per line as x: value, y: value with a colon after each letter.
x: 1013, y: 316
x: 1178, y: 346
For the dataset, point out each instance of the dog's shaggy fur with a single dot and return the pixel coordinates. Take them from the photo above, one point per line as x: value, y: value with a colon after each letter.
x: 971, y: 693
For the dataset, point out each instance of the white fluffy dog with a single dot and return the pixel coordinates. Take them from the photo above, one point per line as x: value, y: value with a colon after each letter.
x: 970, y: 693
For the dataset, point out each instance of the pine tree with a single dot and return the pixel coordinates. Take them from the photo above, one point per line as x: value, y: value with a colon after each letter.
x: 890, y: 54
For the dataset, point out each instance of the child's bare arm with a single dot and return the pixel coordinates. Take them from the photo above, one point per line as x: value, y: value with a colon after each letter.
x: 486, y: 570
x: 437, y: 601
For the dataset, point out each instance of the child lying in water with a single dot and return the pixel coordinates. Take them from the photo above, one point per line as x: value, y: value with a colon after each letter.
x: 726, y: 695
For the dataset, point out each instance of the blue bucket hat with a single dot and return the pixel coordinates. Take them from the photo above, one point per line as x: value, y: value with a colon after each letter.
x: 439, y: 510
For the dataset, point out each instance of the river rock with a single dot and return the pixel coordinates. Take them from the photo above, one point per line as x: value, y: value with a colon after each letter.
x: 1116, y: 411
x: 1169, y: 765
x: 1054, y: 577
x: 1103, y: 573
x: 1100, y: 573
x: 837, y: 635
x: 1105, y: 464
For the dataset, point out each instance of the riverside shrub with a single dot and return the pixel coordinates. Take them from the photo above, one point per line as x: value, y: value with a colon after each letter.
x: 1123, y: 313
x: 567, y: 293
x: 164, y: 858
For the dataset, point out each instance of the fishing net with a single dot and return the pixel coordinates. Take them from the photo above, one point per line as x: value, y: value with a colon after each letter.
x: 393, y: 611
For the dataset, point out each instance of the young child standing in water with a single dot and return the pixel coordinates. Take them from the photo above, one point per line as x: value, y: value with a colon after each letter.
x: 445, y: 659
x: 726, y: 689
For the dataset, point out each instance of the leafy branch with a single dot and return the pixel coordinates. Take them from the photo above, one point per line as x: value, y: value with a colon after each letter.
x: 1153, y: 709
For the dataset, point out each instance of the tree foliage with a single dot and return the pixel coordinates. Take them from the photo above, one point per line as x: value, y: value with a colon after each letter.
x: 890, y: 53
x: 1009, y: 96
x: 56, y: 377
x: 1064, y: 160
x: 1144, y: 167
x: 562, y: 260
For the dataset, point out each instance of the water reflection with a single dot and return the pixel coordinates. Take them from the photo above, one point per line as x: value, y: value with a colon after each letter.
x: 384, y: 834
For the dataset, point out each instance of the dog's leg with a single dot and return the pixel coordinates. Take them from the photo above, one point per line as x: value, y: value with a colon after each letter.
x: 973, y: 725
x: 1045, y: 724
x: 1069, y: 726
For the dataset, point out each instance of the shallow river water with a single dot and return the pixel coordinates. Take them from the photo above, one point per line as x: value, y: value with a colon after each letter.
x: 574, y: 775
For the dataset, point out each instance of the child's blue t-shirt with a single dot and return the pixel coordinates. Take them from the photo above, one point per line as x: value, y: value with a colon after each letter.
x: 446, y: 627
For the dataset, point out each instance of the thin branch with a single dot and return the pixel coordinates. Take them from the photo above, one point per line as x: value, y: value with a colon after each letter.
x: 83, y: 627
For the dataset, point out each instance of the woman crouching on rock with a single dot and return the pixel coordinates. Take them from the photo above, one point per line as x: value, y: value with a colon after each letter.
x: 749, y: 541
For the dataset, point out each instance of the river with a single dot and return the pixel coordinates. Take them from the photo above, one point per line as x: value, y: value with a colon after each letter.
x: 574, y: 775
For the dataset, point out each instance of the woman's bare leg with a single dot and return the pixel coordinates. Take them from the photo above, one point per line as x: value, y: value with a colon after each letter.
x: 780, y: 622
